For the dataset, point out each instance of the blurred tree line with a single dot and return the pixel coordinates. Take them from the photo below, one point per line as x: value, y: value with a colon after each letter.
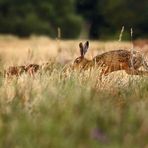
x: 100, y: 18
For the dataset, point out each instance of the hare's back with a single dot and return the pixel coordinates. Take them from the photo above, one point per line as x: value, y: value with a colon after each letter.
x: 114, y: 57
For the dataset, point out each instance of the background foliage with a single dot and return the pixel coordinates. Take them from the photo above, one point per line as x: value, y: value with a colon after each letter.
x: 99, y: 18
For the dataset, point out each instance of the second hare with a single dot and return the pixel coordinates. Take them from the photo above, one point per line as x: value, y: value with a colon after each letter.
x: 111, y: 61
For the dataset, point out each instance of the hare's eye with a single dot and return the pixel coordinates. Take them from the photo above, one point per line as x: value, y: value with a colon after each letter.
x: 77, y: 61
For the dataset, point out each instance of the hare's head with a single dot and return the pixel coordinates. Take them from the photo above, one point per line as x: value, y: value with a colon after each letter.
x: 81, y: 61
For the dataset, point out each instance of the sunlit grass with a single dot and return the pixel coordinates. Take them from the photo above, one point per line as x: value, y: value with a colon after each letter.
x: 73, y: 110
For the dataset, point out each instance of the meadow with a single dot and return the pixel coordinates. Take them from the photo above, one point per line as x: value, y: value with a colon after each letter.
x: 54, y: 111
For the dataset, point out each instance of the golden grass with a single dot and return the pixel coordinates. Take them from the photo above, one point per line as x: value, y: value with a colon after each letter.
x: 51, y: 110
x: 16, y: 50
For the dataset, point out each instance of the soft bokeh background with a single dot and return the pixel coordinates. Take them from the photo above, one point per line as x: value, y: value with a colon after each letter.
x: 97, y: 19
x: 63, y: 109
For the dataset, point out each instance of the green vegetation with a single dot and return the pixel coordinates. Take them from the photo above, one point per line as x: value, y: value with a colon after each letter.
x: 55, y: 111
x: 100, y: 18
x: 106, y: 17
x: 39, y: 17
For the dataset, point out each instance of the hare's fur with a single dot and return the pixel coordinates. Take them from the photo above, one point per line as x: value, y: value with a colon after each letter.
x: 17, y: 71
x: 31, y: 69
x: 111, y: 61
x: 14, y: 71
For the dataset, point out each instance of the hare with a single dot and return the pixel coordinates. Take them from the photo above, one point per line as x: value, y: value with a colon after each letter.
x: 111, y: 61
x: 14, y: 71
x: 17, y: 71
x: 30, y: 69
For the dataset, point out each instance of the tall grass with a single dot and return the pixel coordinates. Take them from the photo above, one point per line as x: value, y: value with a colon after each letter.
x: 54, y: 111
x: 71, y: 111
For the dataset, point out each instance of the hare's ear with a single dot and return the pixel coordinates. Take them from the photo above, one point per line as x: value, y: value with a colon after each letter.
x: 85, y: 47
x: 81, y: 49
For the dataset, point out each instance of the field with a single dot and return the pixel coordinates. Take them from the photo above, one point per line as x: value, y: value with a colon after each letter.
x: 54, y: 111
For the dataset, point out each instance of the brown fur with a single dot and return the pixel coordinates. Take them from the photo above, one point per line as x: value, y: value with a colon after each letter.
x: 31, y: 69
x: 112, y: 61
x: 14, y: 71
x: 17, y: 71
